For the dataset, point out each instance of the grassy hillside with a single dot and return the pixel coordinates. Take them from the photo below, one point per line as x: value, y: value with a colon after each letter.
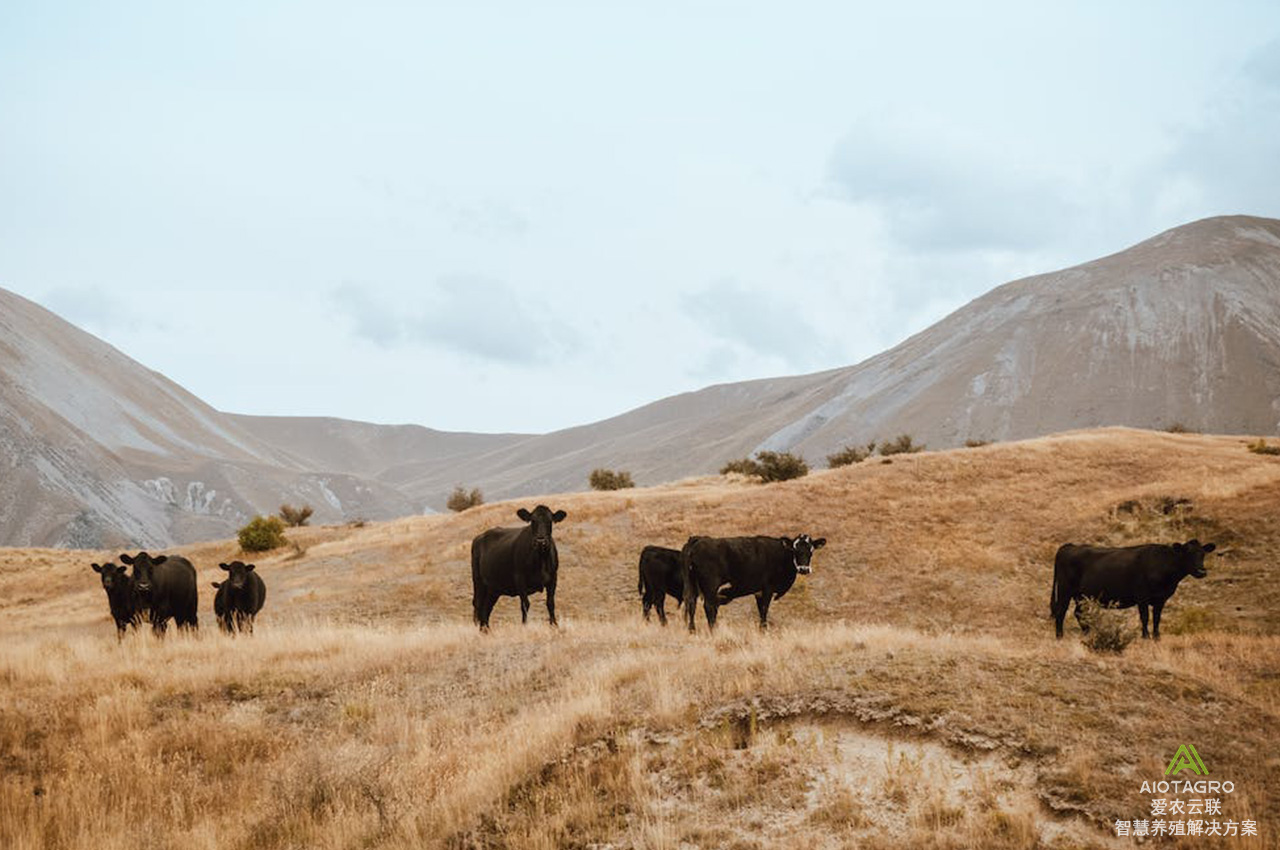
x: 910, y: 694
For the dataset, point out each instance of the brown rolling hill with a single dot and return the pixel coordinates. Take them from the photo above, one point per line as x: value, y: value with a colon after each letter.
x: 910, y: 693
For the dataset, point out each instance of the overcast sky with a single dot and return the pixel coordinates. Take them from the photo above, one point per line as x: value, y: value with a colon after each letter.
x: 523, y: 216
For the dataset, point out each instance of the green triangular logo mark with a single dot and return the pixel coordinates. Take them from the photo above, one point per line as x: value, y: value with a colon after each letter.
x: 1186, y: 758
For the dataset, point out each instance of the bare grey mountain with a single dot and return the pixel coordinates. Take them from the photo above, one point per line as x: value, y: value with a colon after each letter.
x: 1182, y: 328
x: 97, y: 450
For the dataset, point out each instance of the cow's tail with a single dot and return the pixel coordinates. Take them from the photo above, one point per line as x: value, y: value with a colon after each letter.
x: 640, y: 570
x: 1055, y: 595
x: 690, y: 584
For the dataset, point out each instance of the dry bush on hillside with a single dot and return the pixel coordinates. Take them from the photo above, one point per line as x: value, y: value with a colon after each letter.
x: 262, y: 534
x: 902, y: 444
x: 850, y: 455
x: 1109, y: 629
x: 295, y: 517
x: 607, y: 479
x: 976, y: 444
x: 1261, y: 447
x: 769, y: 466
x: 460, y: 499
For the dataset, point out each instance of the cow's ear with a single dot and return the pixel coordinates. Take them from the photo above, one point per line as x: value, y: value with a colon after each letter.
x: 224, y: 567
x: 97, y: 568
x: 1209, y: 547
x: 160, y: 560
x: 249, y: 567
x: 788, y: 542
x: 820, y: 542
x: 524, y: 515
x: 1178, y: 547
x: 125, y: 559
x: 558, y: 516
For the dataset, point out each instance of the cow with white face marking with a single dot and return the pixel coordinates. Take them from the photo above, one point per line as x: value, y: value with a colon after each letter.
x: 721, y: 569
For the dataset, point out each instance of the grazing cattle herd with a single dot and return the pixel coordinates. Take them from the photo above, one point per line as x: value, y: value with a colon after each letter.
x: 523, y: 561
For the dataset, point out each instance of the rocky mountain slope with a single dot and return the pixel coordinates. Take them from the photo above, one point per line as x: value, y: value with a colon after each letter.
x: 97, y: 450
x: 1182, y: 328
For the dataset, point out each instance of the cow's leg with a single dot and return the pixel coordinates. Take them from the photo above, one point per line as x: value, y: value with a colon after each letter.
x: 1084, y: 627
x: 711, y: 606
x: 1058, y: 616
x: 763, y: 598
x: 1058, y: 607
x: 487, y: 601
x: 647, y: 602
x: 524, y: 609
x: 1157, y: 608
x: 661, y: 605
x: 551, y: 604
x: 1142, y: 615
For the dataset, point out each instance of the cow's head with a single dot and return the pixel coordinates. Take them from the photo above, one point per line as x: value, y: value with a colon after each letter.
x: 239, y: 573
x: 540, y: 520
x: 1191, y: 557
x: 802, y: 549
x: 143, y: 569
x: 113, y: 576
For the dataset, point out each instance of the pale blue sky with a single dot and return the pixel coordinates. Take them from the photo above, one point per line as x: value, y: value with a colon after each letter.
x: 516, y: 216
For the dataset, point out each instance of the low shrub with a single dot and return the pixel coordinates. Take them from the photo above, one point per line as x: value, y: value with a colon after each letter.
x: 769, y: 466
x: 976, y: 444
x: 901, y: 445
x: 262, y: 534
x: 1108, y: 630
x: 607, y: 479
x: 742, y: 466
x: 851, y: 455
x: 1261, y: 447
x: 295, y: 517
x: 460, y: 499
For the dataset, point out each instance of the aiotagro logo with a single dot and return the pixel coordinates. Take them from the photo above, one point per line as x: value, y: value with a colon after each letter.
x: 1200, y: 814
x: 1186, y: 758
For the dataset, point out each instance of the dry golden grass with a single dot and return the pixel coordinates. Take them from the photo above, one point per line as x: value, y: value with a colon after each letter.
x: 911, y: 693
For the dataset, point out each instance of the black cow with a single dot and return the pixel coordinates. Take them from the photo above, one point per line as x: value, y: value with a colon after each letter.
x: 721, y: 569
x: 122, y: 596
x: 1121, y: 578
x: 239, y: 598
x: 515, y: 562
x: 166, y: 586
x: 661, y: 575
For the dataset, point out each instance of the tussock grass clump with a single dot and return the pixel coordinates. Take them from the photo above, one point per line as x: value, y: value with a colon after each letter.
x: 460, y: 499
x: 976, y: 444
x: 903, y: 444
x: 262, y: 534
x: 850, y: 455
x: 295, y: 517
x: 1261, y: 447
x: 769, y: 466
x: 607, y: 479
x: 1108, y: 630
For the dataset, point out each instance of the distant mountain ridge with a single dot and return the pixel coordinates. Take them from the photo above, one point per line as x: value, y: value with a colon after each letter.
x: 1181, y: 328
